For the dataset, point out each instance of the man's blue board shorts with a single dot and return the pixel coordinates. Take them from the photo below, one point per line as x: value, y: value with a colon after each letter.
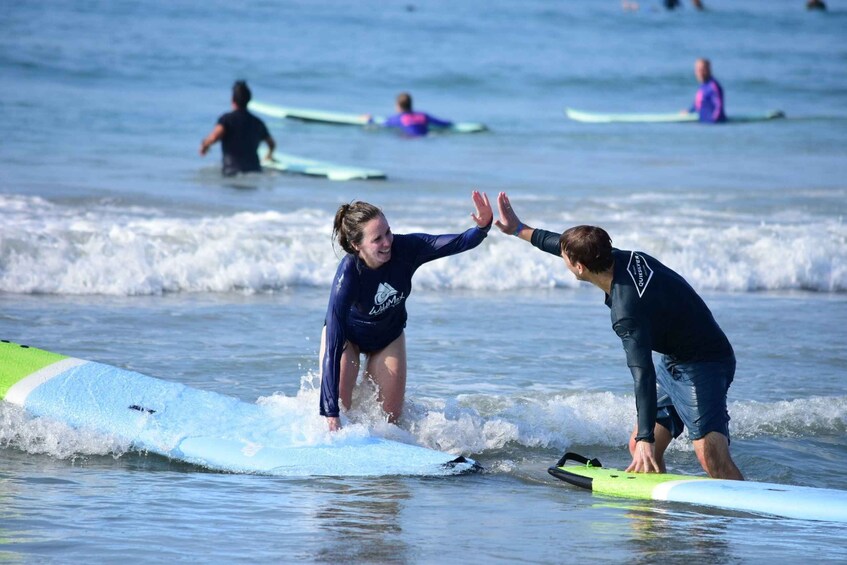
x: 693, y: 395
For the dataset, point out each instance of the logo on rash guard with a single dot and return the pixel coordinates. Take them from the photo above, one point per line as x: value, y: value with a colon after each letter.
x: 640, y: 272
x: 386, y: 297
x: 413, y: 119
x: 698, y: 99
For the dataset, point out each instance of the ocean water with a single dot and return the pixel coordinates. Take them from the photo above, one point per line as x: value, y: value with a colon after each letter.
x: 120, y: 244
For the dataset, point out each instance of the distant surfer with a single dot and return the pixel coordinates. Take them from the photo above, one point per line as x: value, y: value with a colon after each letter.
x: 653, y: 309
x: 709, y: 100
x: 240, y: 134
x: 629, y: 5
x: 412, y: 123
x: 367, y: 304
x: 674, y: 4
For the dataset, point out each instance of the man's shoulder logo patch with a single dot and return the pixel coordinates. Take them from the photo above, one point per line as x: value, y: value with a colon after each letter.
x: 640, y: 272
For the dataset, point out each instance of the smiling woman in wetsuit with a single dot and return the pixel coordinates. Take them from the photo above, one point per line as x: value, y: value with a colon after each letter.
x: 367, y: 305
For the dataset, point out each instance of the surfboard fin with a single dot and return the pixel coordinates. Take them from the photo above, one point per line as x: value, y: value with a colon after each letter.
x: 461, y: 461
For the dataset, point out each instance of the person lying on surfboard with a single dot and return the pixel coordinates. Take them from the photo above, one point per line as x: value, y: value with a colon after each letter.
x: 367, y: 305
x: 413, y: 124
x: 653, y: 309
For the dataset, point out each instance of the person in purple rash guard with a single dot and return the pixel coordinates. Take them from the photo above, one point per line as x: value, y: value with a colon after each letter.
x: 413, y: 124
x: 367, y: 304
x: 709, y: 100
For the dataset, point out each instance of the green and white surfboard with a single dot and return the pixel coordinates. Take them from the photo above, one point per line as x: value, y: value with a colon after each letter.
x: 788, y: 501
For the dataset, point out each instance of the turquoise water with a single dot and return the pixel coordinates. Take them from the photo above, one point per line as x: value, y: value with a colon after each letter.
x: 119, y: 243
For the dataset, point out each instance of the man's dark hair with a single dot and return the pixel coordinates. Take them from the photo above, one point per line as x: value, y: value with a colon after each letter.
x: 588, y: 245
x: 241, y: 94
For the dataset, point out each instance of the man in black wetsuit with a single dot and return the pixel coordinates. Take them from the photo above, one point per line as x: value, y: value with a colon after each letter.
x: 240, y: 134
x: 653, y: 309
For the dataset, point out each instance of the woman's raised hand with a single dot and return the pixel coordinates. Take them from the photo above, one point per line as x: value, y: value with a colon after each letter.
x: 484, y: 214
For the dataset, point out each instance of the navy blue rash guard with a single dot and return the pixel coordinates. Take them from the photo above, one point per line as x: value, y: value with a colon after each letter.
x: 243, y: 132
x: 368, y: 306
x: 653, y: 309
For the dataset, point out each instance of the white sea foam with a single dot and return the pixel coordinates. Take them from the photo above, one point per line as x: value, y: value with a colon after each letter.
x: 56, y: 249
x: 470, y: 424
x: 45, y: 436
x: 466, y: 425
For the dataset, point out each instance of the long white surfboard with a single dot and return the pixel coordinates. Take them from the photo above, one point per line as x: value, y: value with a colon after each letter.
x: 788, y: 501
x: 342, y: 118
x: 671, y: 117
x: 287, y: 163
x: 203, y: 428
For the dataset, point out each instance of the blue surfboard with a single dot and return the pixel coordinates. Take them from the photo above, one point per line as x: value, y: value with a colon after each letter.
x: 204, y: 428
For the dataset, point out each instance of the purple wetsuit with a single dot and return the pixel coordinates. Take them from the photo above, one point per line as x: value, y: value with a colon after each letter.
x: 709, y: 102
x: 368, y: 306
x: 415, y: 124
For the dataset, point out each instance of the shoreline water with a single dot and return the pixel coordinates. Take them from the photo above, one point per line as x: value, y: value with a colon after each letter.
x: 118, y: 243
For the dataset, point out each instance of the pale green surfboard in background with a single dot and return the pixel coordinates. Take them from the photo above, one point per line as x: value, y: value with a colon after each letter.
x: 669, y: 117
x: 343, y: 118
x: 286, y: 163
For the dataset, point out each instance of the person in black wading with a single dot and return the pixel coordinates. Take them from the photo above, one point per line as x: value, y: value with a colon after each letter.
x: 240, y: 134
x: 653, y: 309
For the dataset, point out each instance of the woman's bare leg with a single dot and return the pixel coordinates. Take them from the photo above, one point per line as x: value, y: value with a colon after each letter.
x: 387, y: 370
x: 349, y: 370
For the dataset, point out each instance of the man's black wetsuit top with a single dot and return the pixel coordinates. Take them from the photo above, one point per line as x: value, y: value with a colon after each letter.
x: 368, y: 306
x: 653, y: 309
x: 243, y: 132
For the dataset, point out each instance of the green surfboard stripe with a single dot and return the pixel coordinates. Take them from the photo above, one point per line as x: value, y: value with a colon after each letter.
x: 620, y: 483
x: 20, y: 361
